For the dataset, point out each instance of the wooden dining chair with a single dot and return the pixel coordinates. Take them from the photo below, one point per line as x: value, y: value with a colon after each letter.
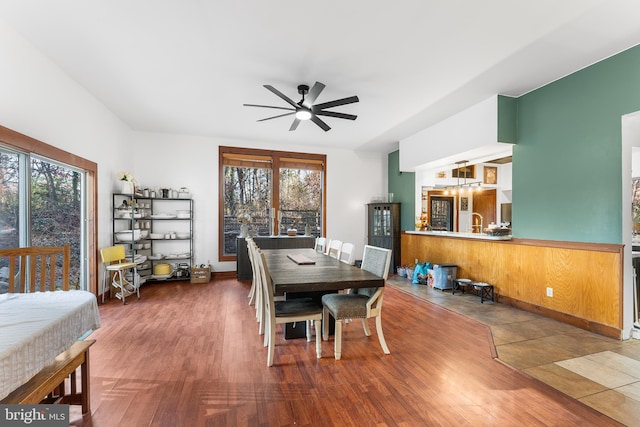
x: 326, y: 246
x: 256, y: 286
x: 115, y: 262
x: 321, y: 243
x: 37, y: 268
x: 334, y: 249
x: 252, y: 292
x: 359, y: 303
x: 288, y: 311
x: 347, y: 253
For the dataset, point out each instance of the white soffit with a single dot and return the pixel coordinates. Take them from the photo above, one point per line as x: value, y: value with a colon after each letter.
x: 484, y: 154
x: 471, y: 135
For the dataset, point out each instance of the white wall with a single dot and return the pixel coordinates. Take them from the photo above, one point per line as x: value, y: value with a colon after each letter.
x: 176, y: 161
x: 39, y: 100
x: 635, y: 162
x: 470, y: 135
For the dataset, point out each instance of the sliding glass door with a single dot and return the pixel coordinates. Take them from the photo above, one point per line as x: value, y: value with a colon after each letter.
x: 42, y: 204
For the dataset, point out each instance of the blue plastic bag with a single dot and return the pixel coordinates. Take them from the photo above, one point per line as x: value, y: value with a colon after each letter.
x: 420, y: 272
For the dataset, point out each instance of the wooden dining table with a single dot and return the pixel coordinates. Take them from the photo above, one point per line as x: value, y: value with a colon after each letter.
x: 313, y: 275
x: 323, y: 274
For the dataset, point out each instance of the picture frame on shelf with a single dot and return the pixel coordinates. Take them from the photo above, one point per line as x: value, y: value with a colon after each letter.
x: 490, y: 175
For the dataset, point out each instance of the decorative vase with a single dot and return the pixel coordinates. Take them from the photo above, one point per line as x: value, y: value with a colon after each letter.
x: 307, y: 230
x: 244, y: 230
x: 127, y: 187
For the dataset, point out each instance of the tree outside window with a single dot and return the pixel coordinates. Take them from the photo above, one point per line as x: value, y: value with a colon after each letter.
x: 52, y: 195
x: 301, y: 200
x: 267, y: 186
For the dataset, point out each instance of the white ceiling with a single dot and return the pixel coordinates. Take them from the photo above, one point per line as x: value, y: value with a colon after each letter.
x: 187, y: 66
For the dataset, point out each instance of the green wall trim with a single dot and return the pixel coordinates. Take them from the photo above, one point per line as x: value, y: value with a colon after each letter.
x: 402, y: 185
x: 507, y: 119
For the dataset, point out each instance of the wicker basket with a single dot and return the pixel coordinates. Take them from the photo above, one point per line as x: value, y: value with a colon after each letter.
x: 200, y: 274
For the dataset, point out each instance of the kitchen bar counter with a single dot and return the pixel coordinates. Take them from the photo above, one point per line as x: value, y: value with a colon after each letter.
x: 461, y: 235
x: 573, y: 282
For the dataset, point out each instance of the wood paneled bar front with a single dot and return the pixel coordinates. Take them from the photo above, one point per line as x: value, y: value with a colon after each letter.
x: 586, y: 278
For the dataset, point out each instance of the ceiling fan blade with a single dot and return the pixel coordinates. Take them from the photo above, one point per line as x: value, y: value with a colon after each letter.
x: 281, y: 95
x: 269, y: 106
x: 275, y: 117
x: 295, y: 124
x: 315, y: 119
x: 334, y: 114
x: 336, y: 103
x: 313, y: 94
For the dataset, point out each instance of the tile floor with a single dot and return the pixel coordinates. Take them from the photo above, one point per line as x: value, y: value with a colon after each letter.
x: 601, y: 372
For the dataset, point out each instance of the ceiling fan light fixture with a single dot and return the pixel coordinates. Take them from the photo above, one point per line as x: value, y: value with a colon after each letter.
x: 307, y: 109
x: 302, y: 114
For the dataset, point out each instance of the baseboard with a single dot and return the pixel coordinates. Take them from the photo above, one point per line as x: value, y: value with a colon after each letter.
x: 224, y: 275
x: 587, y: 325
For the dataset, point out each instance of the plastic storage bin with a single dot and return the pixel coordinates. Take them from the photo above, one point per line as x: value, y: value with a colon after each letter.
x: 444, y: 275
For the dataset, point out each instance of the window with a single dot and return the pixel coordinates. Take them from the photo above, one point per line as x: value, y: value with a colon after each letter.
x: 45, y: 198
x: 275, y: 191
x: 301, y: 195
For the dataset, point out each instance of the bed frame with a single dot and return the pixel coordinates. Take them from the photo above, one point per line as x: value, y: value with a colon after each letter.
x: 41, y: 263
x: 57, y: 382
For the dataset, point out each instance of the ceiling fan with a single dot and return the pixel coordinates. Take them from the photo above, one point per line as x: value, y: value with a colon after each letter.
x: 306, y: 109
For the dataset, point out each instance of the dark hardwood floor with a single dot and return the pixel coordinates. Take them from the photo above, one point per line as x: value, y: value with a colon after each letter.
x: 190, y: 355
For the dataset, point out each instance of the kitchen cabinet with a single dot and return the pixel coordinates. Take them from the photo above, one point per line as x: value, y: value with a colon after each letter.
x: 383, y: 229
x: 154, y: 231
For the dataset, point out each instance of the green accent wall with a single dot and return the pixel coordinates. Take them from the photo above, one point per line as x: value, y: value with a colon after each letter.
x: 402, y: 185
x: 507, y: 119
x: 567, y: 164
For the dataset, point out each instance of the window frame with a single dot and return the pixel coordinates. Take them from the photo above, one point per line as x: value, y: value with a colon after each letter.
x: 24, y: 143
x: 276, y: 158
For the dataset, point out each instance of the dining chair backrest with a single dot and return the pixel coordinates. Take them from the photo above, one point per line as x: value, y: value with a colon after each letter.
x: 376, y: 260
x: 256, y: 286
x: 347, y: 253
x: 334, y: 249
x: 321, y: 243
x: 254, y: 270
x: 268, y: 304
x: 326, y: 246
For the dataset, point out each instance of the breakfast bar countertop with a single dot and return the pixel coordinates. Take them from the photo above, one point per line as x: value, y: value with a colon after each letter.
x: 481, y: 236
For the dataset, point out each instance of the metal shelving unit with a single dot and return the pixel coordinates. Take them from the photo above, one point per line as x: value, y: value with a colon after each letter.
x: 156, y: 216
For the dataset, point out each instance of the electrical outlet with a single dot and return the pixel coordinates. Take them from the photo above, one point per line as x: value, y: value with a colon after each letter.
x: 550, y: 292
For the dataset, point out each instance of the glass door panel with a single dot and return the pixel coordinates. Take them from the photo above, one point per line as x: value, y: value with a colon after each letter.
x: 9, y: 201
x: 56, y: 213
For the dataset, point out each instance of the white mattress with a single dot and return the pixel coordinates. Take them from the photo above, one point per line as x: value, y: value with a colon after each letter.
x: 36, y: 327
